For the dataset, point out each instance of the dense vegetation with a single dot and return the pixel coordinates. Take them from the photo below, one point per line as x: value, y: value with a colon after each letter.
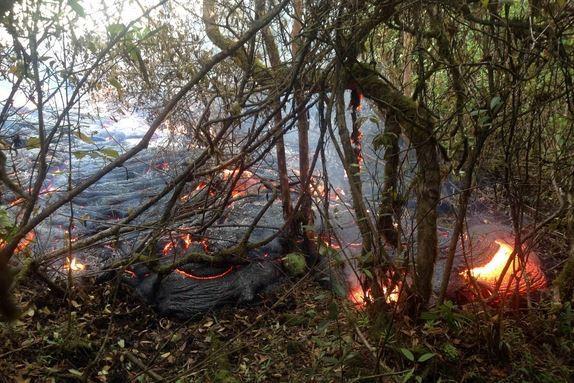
x: 478, y: 94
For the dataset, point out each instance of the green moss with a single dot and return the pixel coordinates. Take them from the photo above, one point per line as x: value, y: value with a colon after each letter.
x: 295, y: 264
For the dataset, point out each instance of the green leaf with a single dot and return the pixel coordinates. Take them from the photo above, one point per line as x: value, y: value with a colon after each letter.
x: 77, y: 7
x: 408, y: 375
x: 384, y: 139
x: 424, y: 357
x: 33, y: 143
x: 484, y: 3
x: 75, y: 372
x: 495, y: 102
x: 115, y: 29
x: 87, y: 139
x: 79, y: 154
x: 4, y: 218
x: 339, y: 290
x: 333, y: 310
x: 116, y: 84
x: 367, y: 273
x: 408, y: 354
x: 110, y: 152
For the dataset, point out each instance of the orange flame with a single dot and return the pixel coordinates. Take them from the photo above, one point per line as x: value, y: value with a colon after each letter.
x: 74, y: 264
x: 359, y: 297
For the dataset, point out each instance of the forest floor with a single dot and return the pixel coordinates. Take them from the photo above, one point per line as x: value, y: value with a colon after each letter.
x: 302, y: 334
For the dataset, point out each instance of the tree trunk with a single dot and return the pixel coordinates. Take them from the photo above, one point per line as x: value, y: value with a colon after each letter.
x: 390, y: 206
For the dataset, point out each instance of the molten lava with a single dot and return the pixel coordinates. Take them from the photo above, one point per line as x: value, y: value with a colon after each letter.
x: 184, y: 241
x: 24, y: 242
x: 490, y: 272
x: 518, y: 277
x: 246, y: 184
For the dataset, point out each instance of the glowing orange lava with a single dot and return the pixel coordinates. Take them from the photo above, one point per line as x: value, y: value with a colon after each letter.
x: 515, y: 275
x: 186, y: 240
x: 24, y: 242
x: 246, y: 183
x: 490, y: 272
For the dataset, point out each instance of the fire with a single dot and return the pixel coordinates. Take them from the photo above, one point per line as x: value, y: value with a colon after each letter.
x: 185, y: 240
x: 74, y: 264
x: 392, y: 296
x: 359, y: 297
x: 164, y: 165
x: 201, y: 185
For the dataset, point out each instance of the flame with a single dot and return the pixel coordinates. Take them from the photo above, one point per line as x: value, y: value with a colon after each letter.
x: 201, y: 185
x: 48, y: 190
x: 17, y: 201
x: 244, y: 185
x: 168, y: 248
x: 74, y: 264
x: 130, y: 273
x: 359, y: 297
x: 185, y: 240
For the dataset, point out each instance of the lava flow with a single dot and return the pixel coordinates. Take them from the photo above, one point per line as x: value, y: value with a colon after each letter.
x: 518, y: 276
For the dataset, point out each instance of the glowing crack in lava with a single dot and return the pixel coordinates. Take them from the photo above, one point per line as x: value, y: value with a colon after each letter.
x: 518, y: 276
x: 204, y: 277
